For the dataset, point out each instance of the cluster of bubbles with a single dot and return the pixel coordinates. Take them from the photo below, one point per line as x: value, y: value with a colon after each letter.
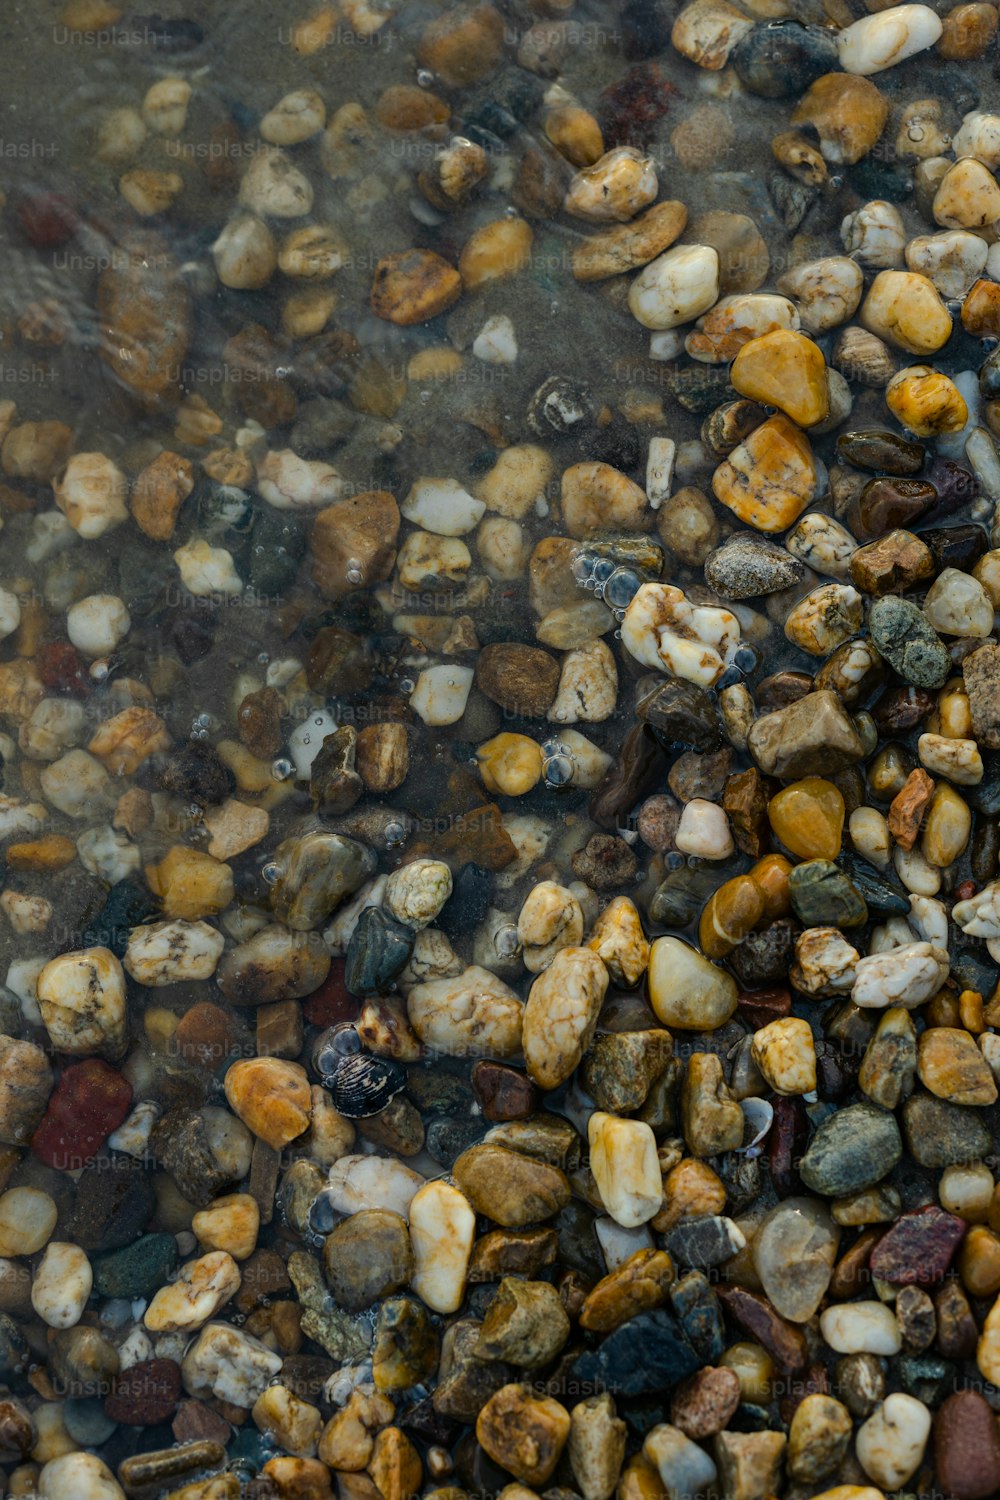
x: 202, y: 725
x: 607, y: 580
x: 558, y: 763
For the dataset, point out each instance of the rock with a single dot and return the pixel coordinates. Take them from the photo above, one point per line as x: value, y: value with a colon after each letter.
x: 638, y: 1285
x: 711, y: 1119
x: 851, y: 1151
x: 511, y: 1189
x: 890, y: 1445
x: 596, y: 1446
x: 813, y: 736
x: 748, y: 565
x: 523, y: 1433
x: 271, y: 1096
x: 201, y: 1288
x: 966, y: 1446
x: 623, y: 248
x: 561, y: 1013
x: 25, y: 1086
x: 821, y: 895
x: 905, y: 308
x: 275, y: 964
x: 794, y: 1252
x: 774, y: 60
x: 626, y: 1169
x: 412, y: 286
x: 667, y: 1356
x: 353, y: 543
x: 981, y: 672
x: 918, y: 1248
x: 675, y: 287
x: 951, y: 1066
x: 442, y: 1229
x: 685, y: 990
x: 861, y: 1328
x: 228, y: 1364
x: 472, y: 1014
x: 144, y: 310
x: 818, y: 1438
x: 939, y: 1134
x: 173, y: 951
x: 614, y: 189
x: 522, y: 680
x: 367, y: 1257
x: 904, y: 976
x: 90, y: 1100
x: 784, y: 369
x: 190, y: 884
x: 769, y: 478
x: 848, y: 113
x: 683, y: 1467
x: 405, y: 1351
x: 524, y: 1325
x: 81, y: 996
x: 705, y: 1404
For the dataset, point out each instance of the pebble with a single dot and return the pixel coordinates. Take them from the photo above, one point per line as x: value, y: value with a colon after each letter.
x: 890, y: 1445
x: 624, y: 1162
x: 861, y: 1328
x: 882, y: 40
x: 770, y: 478
x: 684, y: 1468
x: 851, y: 1151
x: 523, y: 1433
x: 561, y: 1013
x: 442, y: 1230
x: 905, y: 308
x: 676, y: 287
x: 472, y: 1014
x: 966, y: 1446
x: 621, y: 183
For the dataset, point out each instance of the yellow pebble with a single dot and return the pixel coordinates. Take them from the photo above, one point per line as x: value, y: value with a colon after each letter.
x: 784, y: 369
x: 510, y: 764
x: 753, y: 1366
x: 808, y: 818
x: 495, y: 251
x: 926, y: 401
x: 732, y: 911
x: 946, y: 828
x: 575, y: 134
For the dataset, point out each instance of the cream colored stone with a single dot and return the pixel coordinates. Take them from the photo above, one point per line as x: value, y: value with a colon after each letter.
x: 626, y: 1168
x: 442, y: 1232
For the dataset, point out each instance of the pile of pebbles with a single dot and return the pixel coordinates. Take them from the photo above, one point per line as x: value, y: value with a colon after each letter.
x: 500, y: 898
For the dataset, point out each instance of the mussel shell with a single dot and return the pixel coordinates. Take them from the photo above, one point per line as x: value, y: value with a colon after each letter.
x: 362, y: 1085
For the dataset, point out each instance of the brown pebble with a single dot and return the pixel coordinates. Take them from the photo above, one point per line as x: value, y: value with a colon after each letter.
x: 703, y: 1405
x: 258, y: 722
x: 967, y: 31
x: 522, y: 680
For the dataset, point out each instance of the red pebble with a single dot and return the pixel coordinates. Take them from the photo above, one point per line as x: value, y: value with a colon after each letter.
x: 331, y: 1003
x: 47, y: 220
x: 629, y: 110
x: 62, y: 670
x: 90, y: 1100
x: 919, y: 1247
x: 965, y: 890
x: 145, y: 1394
x: 760, y: 1007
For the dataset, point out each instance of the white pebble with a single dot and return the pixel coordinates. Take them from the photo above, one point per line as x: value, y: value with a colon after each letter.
x: 294, y: 118
x: 676, y: 287
x: 496, y: 341
x: 108, y: 853
x: 442, y: 506
x: 861, y: 1328
x: 442, y: 1230
x: 905, y: 976
x: 289, y: 482
x: 245, y: 254
x: 207, y: 570
x: 441, y: 694
x: 660, y: 470
x: 273, y: 186
x: 96, y: 624
x: 305, y: 742
x: 704, y: 830
x: 61, y: 1285
x: 10, y: 613
x: 874, y: 235
x: 890, y: 1445
x: 881, y: 41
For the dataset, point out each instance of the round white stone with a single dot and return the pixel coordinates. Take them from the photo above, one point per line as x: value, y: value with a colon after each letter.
x: 61, y: 1285
x: 889, y: 37
x: 96, y: 624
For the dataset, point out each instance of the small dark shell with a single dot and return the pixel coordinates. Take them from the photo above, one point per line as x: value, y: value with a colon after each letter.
x: 362, y: 1085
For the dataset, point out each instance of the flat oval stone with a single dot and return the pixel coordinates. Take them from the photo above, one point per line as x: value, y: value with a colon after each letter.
x: 794, y: 1252
x: 379, y: 947
x: 852, y: 1150
x: 883, y: 452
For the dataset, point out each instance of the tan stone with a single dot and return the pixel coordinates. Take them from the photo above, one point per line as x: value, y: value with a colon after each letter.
x: 271, y: 1097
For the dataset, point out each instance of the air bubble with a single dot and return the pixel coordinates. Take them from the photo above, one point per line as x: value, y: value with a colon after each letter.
x: 355, y: 573
x: 603, y: 569
x: 425, y: 77
x: 394, y: 834
x: 583, y: 566
x: 558, y: 770
x: 281, y: 769
x: 271, y: 872
x: 674, y: 860
x: 407, y: 685
x: 622, y: 587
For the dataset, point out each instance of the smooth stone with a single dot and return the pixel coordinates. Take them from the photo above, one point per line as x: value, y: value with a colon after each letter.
x: 783, y: 57
x: 852, y: 1150
x: 939, y: 1134
x: 918, y: 1249
x: 705, y: 1242
x: 794, y: 1252
x: 699, y: 1315
x: 379, y: 948
x: 680, y: 713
